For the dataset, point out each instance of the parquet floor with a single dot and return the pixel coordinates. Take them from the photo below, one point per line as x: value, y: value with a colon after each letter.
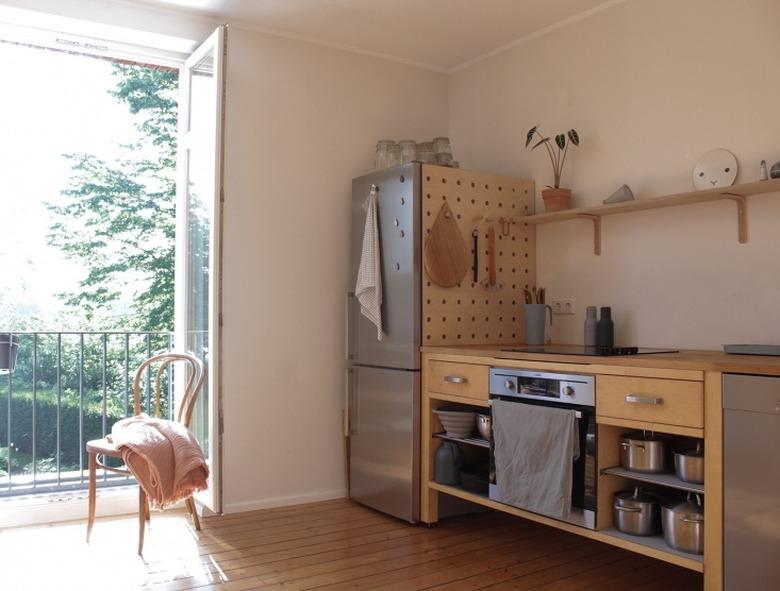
x: 335, y: 545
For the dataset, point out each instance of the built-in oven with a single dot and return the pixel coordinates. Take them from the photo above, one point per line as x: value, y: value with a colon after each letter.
x: 569, y: 391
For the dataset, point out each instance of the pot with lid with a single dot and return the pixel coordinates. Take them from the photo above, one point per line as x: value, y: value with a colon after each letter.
x: 689, y: 464
x: 643, y: 452
x: 683, y: 525
x: 637, y: 513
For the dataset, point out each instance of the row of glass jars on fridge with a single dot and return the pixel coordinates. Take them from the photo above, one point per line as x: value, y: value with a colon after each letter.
x: 390, y: 153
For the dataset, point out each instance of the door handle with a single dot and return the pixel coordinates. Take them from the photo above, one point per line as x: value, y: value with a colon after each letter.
x: 640, y: 399
x: 348, y: 326
x: 455, y: 379
x: 348, y: 403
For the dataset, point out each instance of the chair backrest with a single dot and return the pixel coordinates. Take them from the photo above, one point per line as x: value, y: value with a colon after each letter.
x: 192, y: 389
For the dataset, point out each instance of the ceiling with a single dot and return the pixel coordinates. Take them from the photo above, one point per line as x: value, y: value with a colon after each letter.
x: 439, y: 34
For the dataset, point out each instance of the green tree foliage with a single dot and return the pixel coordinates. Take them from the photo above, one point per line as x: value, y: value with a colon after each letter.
x: 118, y: 218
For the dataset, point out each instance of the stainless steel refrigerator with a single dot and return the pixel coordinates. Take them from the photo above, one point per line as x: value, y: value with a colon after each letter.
x: 383, y: 377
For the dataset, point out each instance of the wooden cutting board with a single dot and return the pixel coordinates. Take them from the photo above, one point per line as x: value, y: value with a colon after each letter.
x: 446, y: 255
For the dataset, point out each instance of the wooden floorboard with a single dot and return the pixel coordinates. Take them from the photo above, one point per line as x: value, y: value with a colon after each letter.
x: 330, y: 546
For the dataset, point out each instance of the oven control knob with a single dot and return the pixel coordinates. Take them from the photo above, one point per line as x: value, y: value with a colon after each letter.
x: 509, y: 385
x: 568, y: 390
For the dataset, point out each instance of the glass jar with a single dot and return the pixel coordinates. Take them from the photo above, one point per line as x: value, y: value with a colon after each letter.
x: 393, y: 155
x: 443, y: 159
x: 425, y: 153
x: 408, y: 150
x: 441, y: 145
x: 380, y: 158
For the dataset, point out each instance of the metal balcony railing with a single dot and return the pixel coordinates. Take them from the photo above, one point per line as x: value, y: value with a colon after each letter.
x: 67, y: 388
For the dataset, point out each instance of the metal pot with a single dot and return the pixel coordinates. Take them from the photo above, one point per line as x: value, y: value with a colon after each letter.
x: 484, y: 426
x: 637, y: 513
x: 683, y: 525
x: 642, y: 452
x: 689, y: 464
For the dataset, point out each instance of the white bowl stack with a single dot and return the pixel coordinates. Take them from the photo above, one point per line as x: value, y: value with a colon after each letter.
x: 457, y: 423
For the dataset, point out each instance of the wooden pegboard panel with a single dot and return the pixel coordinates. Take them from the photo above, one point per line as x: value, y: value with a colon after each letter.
x: 471, y: 313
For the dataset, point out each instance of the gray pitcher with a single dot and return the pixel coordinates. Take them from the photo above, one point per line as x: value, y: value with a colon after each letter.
x: 534, y: 323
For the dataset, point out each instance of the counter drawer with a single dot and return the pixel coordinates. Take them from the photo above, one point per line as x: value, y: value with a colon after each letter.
x: 670, y: 402
x: 458, y: 379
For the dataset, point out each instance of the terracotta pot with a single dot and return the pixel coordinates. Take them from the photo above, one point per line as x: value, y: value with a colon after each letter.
x: 556, y: 199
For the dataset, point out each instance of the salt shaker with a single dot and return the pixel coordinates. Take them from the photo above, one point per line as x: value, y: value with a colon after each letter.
x: 606, y: 329
x: 591, y: 327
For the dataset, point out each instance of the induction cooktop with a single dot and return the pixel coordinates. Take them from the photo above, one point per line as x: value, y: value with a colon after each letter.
x: 590, y: 351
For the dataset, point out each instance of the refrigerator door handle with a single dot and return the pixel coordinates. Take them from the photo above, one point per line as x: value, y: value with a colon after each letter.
x: 348, y: 404
x: 348, y: 326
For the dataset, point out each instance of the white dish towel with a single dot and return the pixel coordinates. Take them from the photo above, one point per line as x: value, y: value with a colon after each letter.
x: 368, y: 288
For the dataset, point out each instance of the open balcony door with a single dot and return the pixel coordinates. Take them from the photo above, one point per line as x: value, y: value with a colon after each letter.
x: 198, y: 240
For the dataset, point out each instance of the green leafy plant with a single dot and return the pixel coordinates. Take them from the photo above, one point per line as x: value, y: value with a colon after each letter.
x: 556, y: 150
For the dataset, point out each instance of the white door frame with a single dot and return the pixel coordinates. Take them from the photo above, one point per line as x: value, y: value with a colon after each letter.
x: 210, y: 499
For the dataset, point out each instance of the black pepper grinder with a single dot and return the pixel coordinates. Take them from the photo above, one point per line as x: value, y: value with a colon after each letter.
x: 606, y: 329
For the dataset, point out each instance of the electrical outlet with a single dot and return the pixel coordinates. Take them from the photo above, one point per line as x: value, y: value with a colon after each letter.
x: 563, y: 306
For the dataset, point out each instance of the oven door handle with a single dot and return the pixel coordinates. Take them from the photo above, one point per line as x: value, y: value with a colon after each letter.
x: 577, y: 413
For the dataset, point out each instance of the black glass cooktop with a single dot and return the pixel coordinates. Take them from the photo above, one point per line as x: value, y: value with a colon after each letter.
x: 590, y: 351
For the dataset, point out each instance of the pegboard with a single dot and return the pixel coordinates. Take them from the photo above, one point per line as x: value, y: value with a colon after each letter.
x: 471, y: 313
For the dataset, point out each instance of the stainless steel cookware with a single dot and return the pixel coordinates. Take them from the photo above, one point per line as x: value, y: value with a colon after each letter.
x: 637, y: 513
x: 484, y: 426
x: 683, y: 525
x: 643, y: 452
x: 689, y: 464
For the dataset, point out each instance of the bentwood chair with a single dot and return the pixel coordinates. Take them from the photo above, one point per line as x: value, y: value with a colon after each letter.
x: 99, y: 449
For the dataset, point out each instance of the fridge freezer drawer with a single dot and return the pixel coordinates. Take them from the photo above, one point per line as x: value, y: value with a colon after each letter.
x: 458, y: 379
x: 384, y: 459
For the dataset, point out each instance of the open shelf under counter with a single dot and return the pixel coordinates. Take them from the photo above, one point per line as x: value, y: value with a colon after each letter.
x: 654, y: 542
x: 476, y: 441
x: 669, y: 480
x: 654, y: 547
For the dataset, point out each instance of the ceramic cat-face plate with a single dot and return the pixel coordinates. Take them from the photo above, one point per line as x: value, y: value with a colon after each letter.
x: 717, y: 168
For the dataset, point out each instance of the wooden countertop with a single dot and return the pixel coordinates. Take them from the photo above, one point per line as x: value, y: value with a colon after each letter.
x: 684, y: 359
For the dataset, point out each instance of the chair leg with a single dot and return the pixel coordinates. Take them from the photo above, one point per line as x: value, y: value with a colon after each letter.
x: 190, y: 502
x: 141, y: 519
x: 92, y: 493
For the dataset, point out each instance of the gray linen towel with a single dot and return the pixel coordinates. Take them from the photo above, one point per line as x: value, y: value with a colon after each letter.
x: 535, y: 447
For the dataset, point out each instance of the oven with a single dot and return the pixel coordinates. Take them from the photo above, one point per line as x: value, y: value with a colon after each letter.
x: 569, y: 391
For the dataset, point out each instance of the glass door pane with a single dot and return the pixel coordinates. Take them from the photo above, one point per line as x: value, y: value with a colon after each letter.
x: 198, y: 216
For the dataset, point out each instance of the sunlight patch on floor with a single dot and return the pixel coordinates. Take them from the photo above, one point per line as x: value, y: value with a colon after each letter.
x: 58, y: 556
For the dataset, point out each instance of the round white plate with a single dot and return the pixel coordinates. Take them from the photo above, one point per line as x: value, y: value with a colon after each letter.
x: 716, y: 168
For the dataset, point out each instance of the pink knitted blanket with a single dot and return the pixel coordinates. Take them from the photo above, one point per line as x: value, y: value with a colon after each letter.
x: 163, y: 456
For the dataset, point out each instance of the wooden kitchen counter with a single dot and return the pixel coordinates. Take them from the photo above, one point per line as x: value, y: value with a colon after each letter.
x: 716, y: 361
x: 686, y: 385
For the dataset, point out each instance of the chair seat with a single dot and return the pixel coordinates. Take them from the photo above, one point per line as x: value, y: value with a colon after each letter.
x: 103, y: 447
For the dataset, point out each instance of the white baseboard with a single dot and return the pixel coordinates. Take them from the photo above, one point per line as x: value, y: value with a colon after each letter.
x: 284, y: 501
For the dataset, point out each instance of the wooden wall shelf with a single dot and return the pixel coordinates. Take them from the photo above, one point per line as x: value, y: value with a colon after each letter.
x: 737, y: 193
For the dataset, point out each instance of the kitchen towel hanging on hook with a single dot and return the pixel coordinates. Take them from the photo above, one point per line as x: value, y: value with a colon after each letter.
x: 368, y: 288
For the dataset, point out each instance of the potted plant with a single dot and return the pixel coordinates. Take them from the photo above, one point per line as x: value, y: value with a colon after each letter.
x: 555, y: 198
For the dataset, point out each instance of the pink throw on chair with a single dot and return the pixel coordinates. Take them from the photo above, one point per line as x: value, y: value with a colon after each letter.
x: 163, y: 456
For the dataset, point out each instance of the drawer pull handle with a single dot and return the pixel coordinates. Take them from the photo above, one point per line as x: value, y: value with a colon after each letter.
x: 638, y: 399
x: 629, y: 509
x: 455, y: 379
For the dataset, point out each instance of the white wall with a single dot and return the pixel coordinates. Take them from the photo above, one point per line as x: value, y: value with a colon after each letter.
x: 650, y: 85
x: 302, y: 121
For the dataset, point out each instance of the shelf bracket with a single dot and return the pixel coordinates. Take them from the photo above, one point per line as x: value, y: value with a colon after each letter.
x: 741, y: 202
x: 596, y: 219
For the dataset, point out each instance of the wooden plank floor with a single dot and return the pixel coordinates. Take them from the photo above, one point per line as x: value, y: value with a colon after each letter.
x: 336, y: 545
